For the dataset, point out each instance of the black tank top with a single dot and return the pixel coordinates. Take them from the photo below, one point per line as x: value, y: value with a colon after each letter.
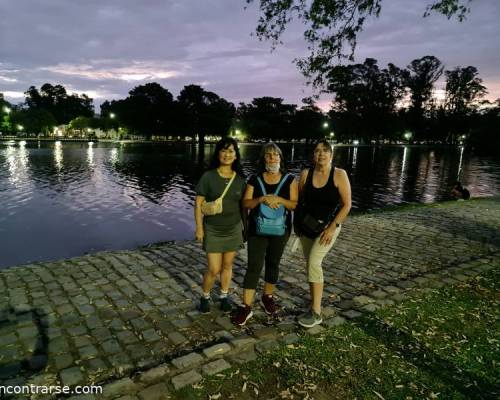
x: 320, y: 202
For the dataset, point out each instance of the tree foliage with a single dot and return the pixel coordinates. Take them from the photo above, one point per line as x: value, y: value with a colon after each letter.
x: 331, y: 27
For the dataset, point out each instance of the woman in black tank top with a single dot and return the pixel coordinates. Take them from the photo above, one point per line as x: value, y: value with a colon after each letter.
x: 321, y: 189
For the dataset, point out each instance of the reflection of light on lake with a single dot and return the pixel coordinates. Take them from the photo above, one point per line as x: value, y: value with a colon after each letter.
x: 90, y: 154
x: 354, y: 158
x: 460, y: 162
x: 403, y: 165
x: 293, y: 152
x: 58, y: 155
x: 17, y: 161
x: 113, y: 156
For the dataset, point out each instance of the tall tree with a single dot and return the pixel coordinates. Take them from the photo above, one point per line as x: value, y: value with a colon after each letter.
x: 146, y: 111
x: 332, y: 26
x: 203, y: 113
x: 420, y: 77
x: 5, y: 117
x: 308, y: 123
x: 63, y: 106
x: 34, y: 120
x: 267, y: 118
x: 464, y: 89
x: 367, y: 96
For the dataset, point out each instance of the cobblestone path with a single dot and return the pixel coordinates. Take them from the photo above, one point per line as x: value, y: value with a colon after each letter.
x: 128, y: 319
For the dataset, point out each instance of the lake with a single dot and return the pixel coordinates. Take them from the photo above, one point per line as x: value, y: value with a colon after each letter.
x: 66, y: 199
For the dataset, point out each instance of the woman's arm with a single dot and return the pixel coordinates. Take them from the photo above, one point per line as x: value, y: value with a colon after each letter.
x: 302, y: 181
x: 198, y: 218
x: 248, y: 201
x: 344, y: 188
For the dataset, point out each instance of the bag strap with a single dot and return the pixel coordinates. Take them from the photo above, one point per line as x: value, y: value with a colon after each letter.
x: 227, y: 187
x: 282, y: 182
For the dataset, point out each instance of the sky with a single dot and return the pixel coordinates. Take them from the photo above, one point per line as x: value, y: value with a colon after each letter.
x: 105, y: 48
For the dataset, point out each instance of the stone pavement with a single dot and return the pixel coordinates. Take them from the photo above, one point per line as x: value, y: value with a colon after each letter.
x: 128, y: 319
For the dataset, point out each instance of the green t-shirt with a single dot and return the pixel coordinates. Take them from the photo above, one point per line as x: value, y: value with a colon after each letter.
x: 211, y: 186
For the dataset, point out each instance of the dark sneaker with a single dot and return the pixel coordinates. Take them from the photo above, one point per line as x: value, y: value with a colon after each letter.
x: 268, y: 304
x: 310, y: 319
x: 225, y: 304
x: 204, y: 305
x: 243, y: 314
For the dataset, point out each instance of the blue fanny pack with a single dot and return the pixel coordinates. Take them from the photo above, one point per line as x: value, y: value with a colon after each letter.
x: 271, y: 221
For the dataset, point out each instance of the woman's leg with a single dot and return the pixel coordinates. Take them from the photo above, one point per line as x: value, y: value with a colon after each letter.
x: 315, y: 270
x: 213, y: 270
x: 256, y: 252
x: 226, y: 270
x: 274, y: 252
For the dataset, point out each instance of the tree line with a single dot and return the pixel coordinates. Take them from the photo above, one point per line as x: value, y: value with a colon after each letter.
x: 370, y: 104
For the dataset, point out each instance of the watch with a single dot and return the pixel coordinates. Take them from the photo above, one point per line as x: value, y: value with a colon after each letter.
x: 337, y: 224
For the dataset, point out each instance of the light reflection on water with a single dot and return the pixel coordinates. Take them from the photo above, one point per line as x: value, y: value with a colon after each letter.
x: 66, y: 199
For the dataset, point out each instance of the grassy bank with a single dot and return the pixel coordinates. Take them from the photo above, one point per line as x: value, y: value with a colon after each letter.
x: 436, y: 344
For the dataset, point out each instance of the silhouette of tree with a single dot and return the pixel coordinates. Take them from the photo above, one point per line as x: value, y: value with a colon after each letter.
x: 34, y: 120
x: 267, y: 118
x: 331, y: 27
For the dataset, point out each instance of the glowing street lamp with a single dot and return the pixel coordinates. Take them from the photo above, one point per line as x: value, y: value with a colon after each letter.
x: 407, y: 135
x: 6, y: 110
x: 332, y: 135
x: 325, y: 124
x: 20, y: 127
x: 112, y: 115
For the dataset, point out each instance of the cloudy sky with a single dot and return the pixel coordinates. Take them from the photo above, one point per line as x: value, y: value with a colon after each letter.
x: 106, y: 47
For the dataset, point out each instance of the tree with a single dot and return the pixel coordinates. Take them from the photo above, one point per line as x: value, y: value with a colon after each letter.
x: 464, y: 89
x: 308, y: 123
x: 331, y: 26
x: 146, y: 111
x: 365, y: 98
x: 34, y: 121
x: 59, y: 103
x: 267, y: 118
x: 5, y: 118
x: 203, y: 113
x: 420, y: 77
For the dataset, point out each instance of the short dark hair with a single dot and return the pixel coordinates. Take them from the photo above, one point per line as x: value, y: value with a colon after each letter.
x: 224, y: 143
x: 261, y: 163
x: 325, y: 143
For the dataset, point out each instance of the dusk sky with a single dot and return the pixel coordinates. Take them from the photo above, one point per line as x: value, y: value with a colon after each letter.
x: 104, y: 48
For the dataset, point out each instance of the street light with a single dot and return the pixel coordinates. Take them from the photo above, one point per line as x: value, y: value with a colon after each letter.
x: 20, y: 127
x: 112, y: 115
x: 325, y: 125
x: 332, y: 135
x: 408, y: 135
x: 6, y: 110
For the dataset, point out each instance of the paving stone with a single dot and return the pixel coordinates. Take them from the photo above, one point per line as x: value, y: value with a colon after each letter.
x: 71, y: 376
x: 370, y: 307
x: 378, y: 294
x: 290, y: 338
x: 154, y: 374
x: 189, y: 360
x: 150, y: 336
x: 177, y: 338
x: 88, y: 352
x: 243, y: 343
x: 121, y: 363
x: 217, y: 350
x: 215, y: 367
x: 181, y: 323
x: 188, y: 378
x: 351, y: 314
x: 225, y: 323
x: 335, y: 321
x: 121, y: 387
x: 111, y: 347
x: 266, y: 345
x: 244, y: 357
x: 315, y: 330
x: 63, y: 361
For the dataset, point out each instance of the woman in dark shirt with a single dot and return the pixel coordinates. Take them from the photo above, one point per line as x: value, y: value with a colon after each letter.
x: 220, y: 233
x: 321, y: 190
x: 262, y: 248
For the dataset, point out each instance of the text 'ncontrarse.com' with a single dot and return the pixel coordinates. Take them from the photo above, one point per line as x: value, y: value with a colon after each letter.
x: 34, y: 389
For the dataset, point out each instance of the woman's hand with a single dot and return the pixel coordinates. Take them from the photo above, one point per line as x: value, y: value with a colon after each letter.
x: 199, y: 233
x: 326, y: 236
x: 271, y: 200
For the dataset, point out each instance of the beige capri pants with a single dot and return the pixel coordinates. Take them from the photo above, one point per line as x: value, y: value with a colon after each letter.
x: 314, y: 254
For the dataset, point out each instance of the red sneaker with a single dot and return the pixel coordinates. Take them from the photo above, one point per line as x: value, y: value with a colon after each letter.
x: 243, y: 314
x: 268, y: 304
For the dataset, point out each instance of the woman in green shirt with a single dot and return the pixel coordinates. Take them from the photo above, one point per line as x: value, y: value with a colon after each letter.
x: 221, y: 234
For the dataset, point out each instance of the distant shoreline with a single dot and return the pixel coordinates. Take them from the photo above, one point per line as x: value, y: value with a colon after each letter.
x: 131, y: 141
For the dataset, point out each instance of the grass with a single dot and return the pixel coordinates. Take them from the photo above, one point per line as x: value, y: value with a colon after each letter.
x: 436, y: 344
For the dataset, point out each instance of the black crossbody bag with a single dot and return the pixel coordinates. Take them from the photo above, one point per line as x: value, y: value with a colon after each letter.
x: 307, y: 225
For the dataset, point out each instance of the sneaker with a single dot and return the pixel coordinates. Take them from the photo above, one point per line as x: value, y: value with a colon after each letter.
x: 243, y: 314
x: 268, y: 304
x: 225, y: 304
x: 310, y: 319
x: 204, y: 305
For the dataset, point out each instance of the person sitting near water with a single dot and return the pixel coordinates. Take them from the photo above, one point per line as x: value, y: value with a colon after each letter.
x: 459, y: 192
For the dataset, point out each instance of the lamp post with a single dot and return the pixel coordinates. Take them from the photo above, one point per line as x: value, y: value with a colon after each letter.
x: 408, y: 136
